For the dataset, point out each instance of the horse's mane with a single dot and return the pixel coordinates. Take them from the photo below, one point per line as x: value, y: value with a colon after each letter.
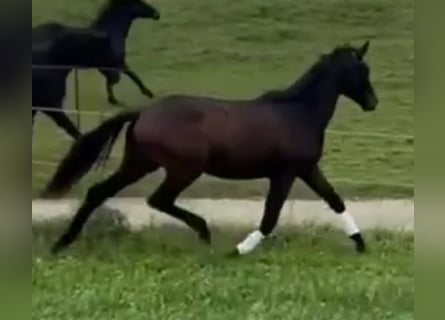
x: 307, y: 79
x: 106, y: 9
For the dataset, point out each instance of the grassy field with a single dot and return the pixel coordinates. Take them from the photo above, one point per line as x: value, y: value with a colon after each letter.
x: 312, y: 273
x: 238, y: 49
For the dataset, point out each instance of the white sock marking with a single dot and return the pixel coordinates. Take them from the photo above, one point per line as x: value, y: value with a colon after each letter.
x: 350, y: 225
x: 250, y: 242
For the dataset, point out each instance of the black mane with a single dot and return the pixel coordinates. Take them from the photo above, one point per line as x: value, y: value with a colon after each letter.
x: 107, y: 9
x: 307, y: 79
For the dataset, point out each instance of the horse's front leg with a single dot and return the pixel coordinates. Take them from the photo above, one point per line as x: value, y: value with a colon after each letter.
x: 320, y: 185
x: 279, y: 188
x: 135, y: 78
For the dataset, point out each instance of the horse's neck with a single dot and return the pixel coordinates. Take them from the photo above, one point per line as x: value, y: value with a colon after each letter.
x: 116, y: 25
x: 320, y: 100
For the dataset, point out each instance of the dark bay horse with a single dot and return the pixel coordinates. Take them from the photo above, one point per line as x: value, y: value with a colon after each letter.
x: 115, y: 19
x: 84, y: 46
x: 278, y: 135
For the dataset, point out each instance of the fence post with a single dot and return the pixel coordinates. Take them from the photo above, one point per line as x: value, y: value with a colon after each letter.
x: 77, y: 96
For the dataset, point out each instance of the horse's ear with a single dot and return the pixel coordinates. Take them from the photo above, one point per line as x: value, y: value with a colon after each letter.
x: 363, y: 50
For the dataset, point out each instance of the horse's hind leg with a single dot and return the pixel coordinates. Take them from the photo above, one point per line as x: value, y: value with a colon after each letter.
x: 320, y: 185
x: 112, y: 78
x: 62, y: 120
x: 97, y: 195
x: 163, y: 199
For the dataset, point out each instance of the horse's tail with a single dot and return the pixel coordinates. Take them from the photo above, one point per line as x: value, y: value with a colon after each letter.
x: 85, y: 153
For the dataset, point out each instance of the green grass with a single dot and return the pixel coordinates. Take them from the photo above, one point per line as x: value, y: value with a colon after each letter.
x: 238, y: 49
x: 308, y: 273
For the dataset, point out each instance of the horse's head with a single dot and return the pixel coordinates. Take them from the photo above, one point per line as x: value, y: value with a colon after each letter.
x: 355, y: 80
x: 138, y: 9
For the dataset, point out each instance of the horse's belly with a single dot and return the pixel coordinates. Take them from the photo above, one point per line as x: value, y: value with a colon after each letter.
x: 237, y: 173
x: 238, y: 166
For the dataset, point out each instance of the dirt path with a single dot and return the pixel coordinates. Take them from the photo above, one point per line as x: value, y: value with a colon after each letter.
x: 386, y: 214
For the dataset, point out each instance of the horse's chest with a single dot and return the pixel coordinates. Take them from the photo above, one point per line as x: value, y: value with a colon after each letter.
x: 303, y: 141
x: 118, y: 47
x: 302, y: 148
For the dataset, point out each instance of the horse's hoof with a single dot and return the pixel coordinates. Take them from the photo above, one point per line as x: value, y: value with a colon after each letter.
x: 47, y: 195
x: 360, y: 246
x: 206, y: 237
x: 148, y: 94
x: 56, y: 249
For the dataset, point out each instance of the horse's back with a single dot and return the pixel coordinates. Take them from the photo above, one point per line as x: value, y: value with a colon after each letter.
x: 187, y: 109
x: 49, y: 32
x: 56, y: 44
x: 227, y: 135
x: 46, y: 31
x: 191, y: 102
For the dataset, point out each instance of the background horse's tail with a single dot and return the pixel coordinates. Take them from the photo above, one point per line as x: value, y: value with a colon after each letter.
x: 86, y: 152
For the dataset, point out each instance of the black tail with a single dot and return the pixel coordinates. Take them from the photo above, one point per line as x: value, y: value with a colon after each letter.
x: 85, y: 153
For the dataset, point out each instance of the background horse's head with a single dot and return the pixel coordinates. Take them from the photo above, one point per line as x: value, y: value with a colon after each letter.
x: 355, y: 75
x: 135, y: 8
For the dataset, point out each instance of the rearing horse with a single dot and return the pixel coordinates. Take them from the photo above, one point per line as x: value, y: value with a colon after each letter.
x: 115, y: 19
x: 278, y: 136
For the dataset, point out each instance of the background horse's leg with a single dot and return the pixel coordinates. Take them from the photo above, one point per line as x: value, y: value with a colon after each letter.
x: 97, y: 195
x: 280, y: 186
x: 62, y: 120
x: 112, y: 78
x: 163, y: 199
x: 133, y: 76
x: 320, y: 185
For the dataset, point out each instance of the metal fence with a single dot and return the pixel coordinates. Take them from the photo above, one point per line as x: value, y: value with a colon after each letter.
x: 76, y: 86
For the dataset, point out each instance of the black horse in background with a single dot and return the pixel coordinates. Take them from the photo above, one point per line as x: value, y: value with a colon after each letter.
x: 66, y: 48
x: 115, y: 19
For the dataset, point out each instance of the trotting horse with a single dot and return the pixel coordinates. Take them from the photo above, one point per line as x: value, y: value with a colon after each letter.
x: 278, y: 135
x: 115, y: 19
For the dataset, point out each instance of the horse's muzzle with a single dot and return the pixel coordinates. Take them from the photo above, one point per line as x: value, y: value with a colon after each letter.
x: 371, y: 103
